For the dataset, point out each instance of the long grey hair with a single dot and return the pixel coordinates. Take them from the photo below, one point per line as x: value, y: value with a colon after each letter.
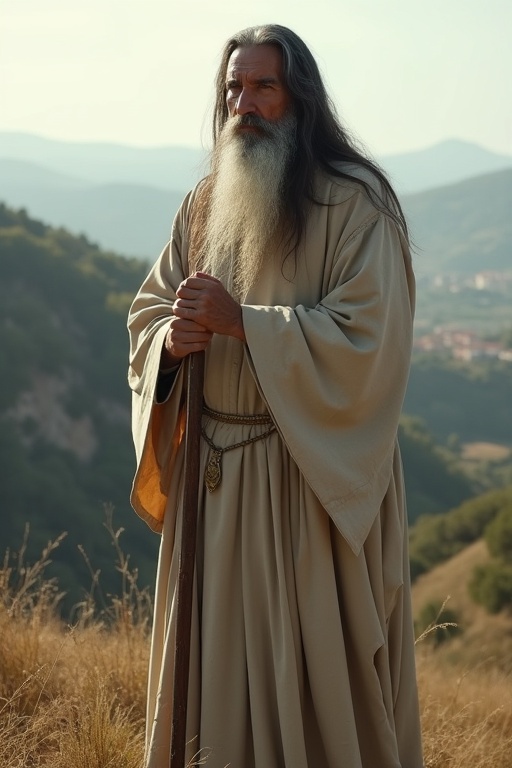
x: 322, y: 141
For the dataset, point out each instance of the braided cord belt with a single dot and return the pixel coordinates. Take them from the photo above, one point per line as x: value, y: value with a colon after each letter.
x: 213, y: 471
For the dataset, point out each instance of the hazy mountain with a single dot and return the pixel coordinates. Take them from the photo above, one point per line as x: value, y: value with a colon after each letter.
x: 461, y: 227
x: 442, y: 164
x: 464, y: 227
x: 23, y: 175
x: 178, y: 168
x: 175, y: 168
x: 131, y: 219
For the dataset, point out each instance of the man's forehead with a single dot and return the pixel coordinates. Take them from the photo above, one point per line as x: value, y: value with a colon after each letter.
x: 262, y: 60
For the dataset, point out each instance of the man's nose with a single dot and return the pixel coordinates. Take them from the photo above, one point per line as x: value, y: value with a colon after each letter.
x: 245, y: 103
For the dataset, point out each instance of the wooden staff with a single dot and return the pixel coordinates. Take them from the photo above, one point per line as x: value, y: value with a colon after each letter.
x: 186, y: 565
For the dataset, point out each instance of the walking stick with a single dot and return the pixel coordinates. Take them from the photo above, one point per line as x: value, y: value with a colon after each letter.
x: 184, y: 589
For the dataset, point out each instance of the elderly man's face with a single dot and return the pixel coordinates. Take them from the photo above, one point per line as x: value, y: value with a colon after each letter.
x: 254, y: 84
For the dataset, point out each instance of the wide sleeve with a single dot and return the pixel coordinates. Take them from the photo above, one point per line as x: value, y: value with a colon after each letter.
x: 151, y: 309
x: 148, y: 322
x: 334, y: 375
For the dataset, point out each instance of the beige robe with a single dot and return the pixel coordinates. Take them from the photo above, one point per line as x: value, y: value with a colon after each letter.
x: 302, y: 650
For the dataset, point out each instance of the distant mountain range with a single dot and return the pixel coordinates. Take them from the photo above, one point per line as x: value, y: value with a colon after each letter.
x: 465, y: 227
x: 174, y: 168
x: 127, y: 218
x: 125, y: 198
x: 445, y: 163
x: 179, y: 168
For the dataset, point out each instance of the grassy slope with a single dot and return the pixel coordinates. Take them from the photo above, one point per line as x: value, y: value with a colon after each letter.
x: 486, y: 640
x: 75, y: 696
x: 465, y: 691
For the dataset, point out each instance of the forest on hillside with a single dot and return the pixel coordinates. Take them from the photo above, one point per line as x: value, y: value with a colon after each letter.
x: 65, y: 444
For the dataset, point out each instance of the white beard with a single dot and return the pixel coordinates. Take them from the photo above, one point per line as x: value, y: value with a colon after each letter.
x: 245, y: 207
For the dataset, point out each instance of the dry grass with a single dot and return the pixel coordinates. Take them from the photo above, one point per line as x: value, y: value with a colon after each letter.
x: 70, y: 695
x: 466, y: 715
x: 75, y: 696
x: 485, y: 639
x: 465, y: 684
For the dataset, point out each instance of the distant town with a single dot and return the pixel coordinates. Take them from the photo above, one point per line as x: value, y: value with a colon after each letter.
x: 460, y: 343
x: 488, y: 280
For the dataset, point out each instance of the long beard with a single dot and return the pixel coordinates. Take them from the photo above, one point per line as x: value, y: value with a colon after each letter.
x: 245, y: 201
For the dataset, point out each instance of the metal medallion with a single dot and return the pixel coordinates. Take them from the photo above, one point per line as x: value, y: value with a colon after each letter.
x: 213, y: 471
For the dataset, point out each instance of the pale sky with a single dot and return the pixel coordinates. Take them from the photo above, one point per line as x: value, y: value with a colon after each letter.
x: 403, y: 74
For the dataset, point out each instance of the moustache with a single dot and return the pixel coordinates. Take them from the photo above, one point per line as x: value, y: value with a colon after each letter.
x: 250, y: 121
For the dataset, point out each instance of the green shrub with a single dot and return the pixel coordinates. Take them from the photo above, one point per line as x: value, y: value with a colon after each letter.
x: 436, y: 538
x: 491, y: 586
x: 498, y: 534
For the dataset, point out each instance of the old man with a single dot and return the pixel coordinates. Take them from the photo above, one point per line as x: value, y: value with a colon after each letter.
x: 289, y: 264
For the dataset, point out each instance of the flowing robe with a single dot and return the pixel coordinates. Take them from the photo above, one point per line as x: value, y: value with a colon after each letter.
x: 302, y: 651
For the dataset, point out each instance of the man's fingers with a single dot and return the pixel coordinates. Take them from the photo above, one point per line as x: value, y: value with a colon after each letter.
x: 207, y: 302
x: 185, y: 336
x: 199, y: 281
x: 183, y: 322
x: 186, y: 301
x: 187, y: 330
x: 204, y: 276
x: 189, y: 338
x: 185, y: 312
x: 186, y: 292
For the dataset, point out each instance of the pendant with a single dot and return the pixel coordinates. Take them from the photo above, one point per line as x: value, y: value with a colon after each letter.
x: 213, y: 471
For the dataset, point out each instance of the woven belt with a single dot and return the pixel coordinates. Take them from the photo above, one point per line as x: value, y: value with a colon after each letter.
x: 236, y: 418
x: 213, y: 471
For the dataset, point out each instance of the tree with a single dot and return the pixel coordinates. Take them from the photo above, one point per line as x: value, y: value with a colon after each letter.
x: 491, y: 586
x: 498, y: 535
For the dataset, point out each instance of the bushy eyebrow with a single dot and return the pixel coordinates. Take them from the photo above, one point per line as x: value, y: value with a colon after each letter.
x: 267, y: 81
x: 259, y: 81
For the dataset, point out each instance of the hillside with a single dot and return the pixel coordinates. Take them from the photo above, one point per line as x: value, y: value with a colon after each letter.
x: 454, y: 398
x: 485, y: 639
x: 65, y: 445
x: 423, y: 460
x: 75, y: 696
x: 129, y: 218
x: 466, y: 547
x: 465, y: 227
x: 443, y: 164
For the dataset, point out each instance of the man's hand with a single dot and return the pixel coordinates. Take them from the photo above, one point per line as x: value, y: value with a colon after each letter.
x: 204, y: 300
x: 183, y: 338
x: 203, y: 307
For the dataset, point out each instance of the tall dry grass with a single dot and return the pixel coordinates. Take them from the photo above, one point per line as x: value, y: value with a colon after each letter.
x: 71, y: 695
x: 75, y: 695
x: 466, y: 715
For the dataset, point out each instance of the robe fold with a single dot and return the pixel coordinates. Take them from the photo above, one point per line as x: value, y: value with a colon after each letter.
x: 302, y: 650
